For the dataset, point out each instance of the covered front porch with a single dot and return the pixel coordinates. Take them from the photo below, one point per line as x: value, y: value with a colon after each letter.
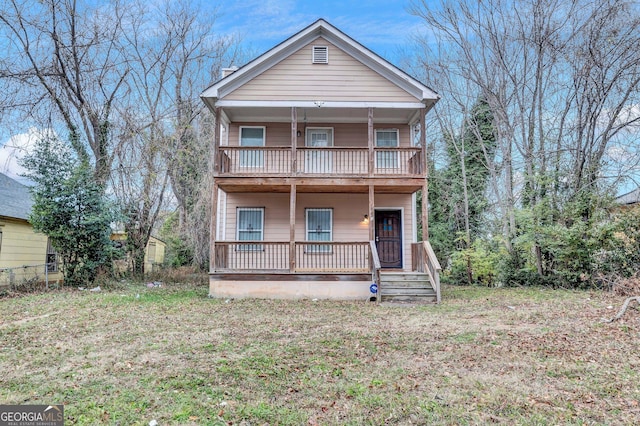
x: 324, y: 270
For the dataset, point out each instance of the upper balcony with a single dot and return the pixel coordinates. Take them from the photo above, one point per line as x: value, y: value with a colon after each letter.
x: 347, y: 162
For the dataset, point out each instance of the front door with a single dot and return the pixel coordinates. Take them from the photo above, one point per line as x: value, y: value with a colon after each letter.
x: 388, y: 228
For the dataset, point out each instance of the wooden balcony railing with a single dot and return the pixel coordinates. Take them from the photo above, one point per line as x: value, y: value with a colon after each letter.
x: 310, y: 256
x: 330, y: 161
x: 423, y: 259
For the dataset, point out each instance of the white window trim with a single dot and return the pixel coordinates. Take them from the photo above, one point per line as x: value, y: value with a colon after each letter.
x: 264, y: 134
x: 390, y: 155
x: 314, y: 60
x: 258, y: 154
x: 308, y: 130
x: 396, y: 131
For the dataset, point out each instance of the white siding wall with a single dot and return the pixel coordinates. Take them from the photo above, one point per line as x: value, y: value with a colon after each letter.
x: 342, y: 79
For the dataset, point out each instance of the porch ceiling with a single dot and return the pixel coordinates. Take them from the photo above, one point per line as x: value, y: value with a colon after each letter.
x: 355, y: 186
x: 320, y: 115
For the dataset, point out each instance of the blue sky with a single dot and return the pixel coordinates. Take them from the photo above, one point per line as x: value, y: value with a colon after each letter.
x: 384, y: 26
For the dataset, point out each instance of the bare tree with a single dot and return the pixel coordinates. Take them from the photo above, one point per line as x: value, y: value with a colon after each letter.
x: 169, y: 62
x: 561, y: 78
x: 63, y: 55
x: 197, y: 61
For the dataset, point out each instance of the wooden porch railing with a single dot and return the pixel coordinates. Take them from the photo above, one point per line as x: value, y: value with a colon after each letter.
x: 251, y: 256
x: 423, y: 259
x: 310, y: 256
x: 330, y: 161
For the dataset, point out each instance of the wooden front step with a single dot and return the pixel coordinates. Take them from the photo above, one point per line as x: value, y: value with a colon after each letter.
x: 406, y: 287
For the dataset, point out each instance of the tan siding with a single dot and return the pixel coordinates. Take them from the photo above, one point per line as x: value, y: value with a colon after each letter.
x: 348, y: 215
x: 276, y: 214
x: 344, y: 135
x: 342, y: 79
x: 22, y: 246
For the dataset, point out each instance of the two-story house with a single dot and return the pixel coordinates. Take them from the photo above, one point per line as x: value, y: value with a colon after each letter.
x: 318, y: 156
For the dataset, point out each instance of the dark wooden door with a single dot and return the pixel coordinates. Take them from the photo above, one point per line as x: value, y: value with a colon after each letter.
x: 389, y: 238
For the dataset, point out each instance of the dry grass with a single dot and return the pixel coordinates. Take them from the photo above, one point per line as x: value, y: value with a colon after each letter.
x: 132, y: 354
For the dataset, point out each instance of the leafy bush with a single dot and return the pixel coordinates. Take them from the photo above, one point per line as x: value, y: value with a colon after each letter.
x: 178, y: 252
x: 479, y: 262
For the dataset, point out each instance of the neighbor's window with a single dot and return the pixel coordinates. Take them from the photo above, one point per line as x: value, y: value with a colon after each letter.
x: 250, y: 227
x: 151, y: 252
x: 52, y: 257
x: 387, y: 138
x: 319, y: 228
x: 252, y: 136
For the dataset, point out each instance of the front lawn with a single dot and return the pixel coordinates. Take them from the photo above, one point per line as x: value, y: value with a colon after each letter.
x: 132, y: 354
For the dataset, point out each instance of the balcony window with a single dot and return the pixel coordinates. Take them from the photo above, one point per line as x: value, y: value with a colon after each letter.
x: 386, y: 139
x: 252, y: 136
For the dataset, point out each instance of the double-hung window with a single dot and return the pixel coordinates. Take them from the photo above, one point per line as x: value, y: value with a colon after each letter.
x: 386, y: 138
x: 319, y: 228
x: 250, y: 227
x: 252, y: 136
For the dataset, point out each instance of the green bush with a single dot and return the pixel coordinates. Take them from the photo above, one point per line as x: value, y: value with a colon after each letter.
x: 479, y: 262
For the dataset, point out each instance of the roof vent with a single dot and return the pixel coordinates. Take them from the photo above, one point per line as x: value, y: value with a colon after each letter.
x: 320, y: 54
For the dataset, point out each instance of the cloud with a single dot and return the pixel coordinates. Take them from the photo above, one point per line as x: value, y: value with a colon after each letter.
x: 14, y: 149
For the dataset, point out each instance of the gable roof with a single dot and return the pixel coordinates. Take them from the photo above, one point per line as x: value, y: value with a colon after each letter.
x: 320, y: 28
x: 632, y: 197
x: 15, y: 198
